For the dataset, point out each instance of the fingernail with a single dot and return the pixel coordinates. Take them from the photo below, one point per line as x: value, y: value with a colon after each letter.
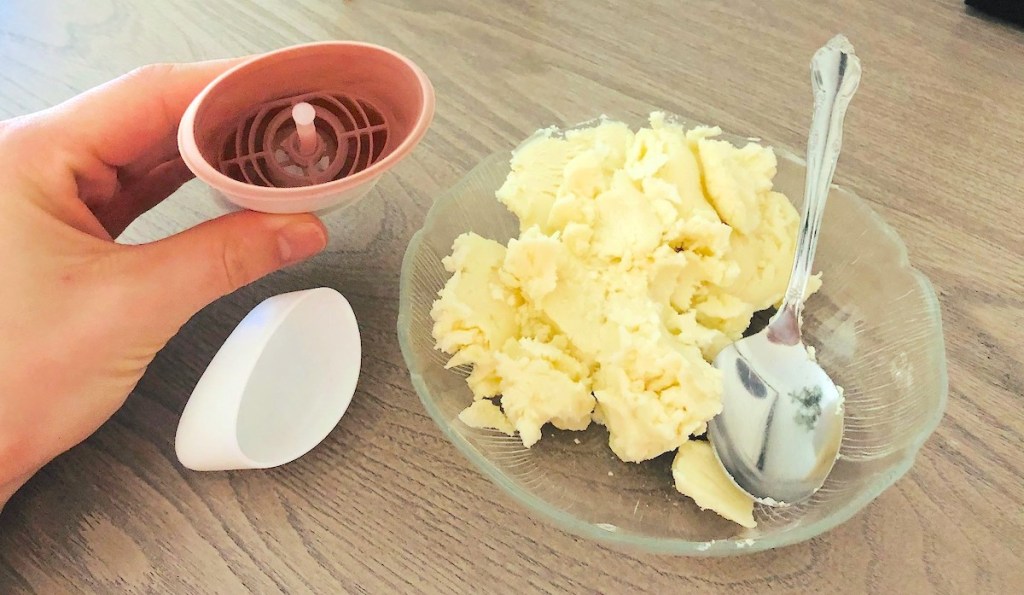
x: 299, y: 241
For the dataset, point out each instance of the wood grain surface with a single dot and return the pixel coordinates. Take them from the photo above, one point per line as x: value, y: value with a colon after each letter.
x: 385, y: 504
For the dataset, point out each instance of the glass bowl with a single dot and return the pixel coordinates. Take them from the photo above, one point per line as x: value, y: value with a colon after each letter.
x: 876, y: 327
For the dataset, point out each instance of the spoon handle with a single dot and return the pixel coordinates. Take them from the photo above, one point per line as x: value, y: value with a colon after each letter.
x: 835, y: 74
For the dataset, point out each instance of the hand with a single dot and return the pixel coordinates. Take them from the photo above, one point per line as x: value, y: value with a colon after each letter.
x: 80, y: 315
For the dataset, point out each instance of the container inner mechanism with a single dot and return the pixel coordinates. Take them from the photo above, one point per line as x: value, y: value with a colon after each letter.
x: 267, y: 148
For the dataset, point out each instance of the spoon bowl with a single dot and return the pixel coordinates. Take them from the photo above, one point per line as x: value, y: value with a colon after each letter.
x: 783, y: 445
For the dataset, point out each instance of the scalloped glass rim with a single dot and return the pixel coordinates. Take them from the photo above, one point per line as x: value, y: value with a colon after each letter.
x: 663, y: 545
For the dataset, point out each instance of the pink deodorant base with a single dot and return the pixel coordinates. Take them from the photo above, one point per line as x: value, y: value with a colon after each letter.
x: 306, y: 128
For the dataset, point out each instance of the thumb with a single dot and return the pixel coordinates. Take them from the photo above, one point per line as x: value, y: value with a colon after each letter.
x: 183, y: 273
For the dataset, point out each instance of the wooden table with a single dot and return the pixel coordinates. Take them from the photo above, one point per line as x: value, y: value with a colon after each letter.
x: 386, y: 504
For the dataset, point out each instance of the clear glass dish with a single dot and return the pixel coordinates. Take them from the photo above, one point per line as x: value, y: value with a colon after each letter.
x: 875, y: 325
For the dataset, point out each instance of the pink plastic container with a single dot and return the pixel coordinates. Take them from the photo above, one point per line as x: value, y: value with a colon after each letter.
x: 306, y: 128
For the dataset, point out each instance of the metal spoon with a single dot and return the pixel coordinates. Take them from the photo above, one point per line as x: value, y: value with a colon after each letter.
x: 781, y: 423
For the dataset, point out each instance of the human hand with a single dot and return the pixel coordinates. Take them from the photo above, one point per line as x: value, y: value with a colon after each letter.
x: 80, y: 315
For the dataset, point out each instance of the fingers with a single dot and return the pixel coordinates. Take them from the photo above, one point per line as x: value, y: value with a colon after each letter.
x: 133, y: 117
x: 179, y: 275
x: 160, y: 153
x: 142, y: 195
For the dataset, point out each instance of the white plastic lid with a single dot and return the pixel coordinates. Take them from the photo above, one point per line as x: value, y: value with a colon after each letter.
x: 276, y: 388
